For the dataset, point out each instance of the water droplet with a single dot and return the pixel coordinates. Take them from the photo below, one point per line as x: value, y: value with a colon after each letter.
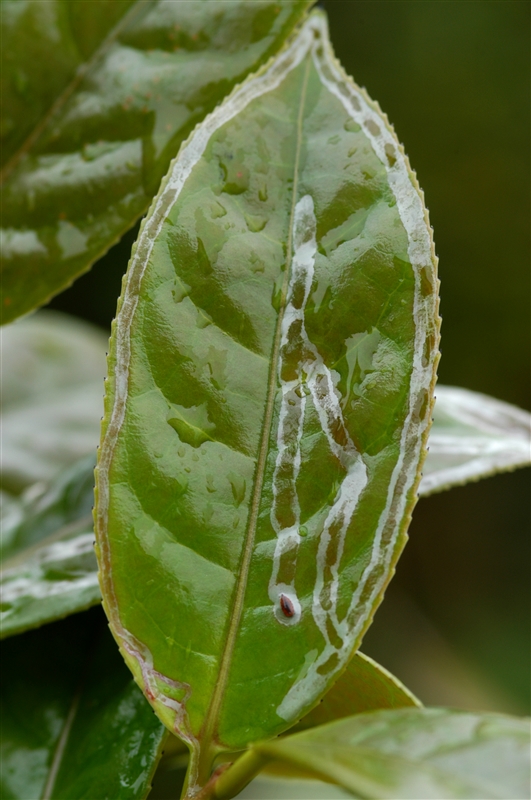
x: 238, y: 486
x: 203, y: 320
x: 217, y: 210
x: 351, y: 126
x: 262, y: 193
x: 255, y: 223
x: 303, y: 530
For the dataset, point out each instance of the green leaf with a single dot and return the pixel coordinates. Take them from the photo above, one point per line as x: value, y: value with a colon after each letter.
x: 74, y: 724
x: 406, y: 753
x: 364, y: 686
x: 49, y: 566
x: 473, y: 436
x: 53, y: 368
x: 97, y: 98
x: 280, y: 307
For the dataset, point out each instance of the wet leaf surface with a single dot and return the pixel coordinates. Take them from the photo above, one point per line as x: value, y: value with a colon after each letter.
x: 413, y: 753
x: 74, y: 724
x: 269, y: 396
x: 473, y: 436
x: 97, y: 98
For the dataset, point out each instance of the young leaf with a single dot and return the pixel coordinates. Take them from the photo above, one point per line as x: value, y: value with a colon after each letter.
x: 271, y: 374
x: 405, y: 753
x: 53, y: 368
x: 473, y: 436
x: 97, y: 99
x: 49, y: 567
x: 364, y: 686
x: 74, y: 724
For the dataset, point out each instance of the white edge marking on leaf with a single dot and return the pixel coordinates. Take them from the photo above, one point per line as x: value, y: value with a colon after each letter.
x: 414, y: 219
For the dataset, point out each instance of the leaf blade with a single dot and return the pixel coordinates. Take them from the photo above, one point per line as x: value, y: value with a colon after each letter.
x: 473, y: 436
x: 411, y: 753
x: 123, y: 100
x: 48, y: 564
x: 220, y: 385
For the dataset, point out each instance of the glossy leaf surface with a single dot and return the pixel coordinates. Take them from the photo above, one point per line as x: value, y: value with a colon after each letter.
x: 97, y: 99
x: 74, y: 724
x: 270, y: 385
x: 53, y: 367
x: 364, y: 686
x: 49, y: 566
x: 412, y: 754
x: 473, y: 436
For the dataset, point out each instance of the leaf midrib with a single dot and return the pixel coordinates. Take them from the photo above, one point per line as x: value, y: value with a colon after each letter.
x: 210, y: 724
x: 69, y: 89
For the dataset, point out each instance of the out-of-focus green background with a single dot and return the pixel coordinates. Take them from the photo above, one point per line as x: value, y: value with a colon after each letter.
x: 454, y: 79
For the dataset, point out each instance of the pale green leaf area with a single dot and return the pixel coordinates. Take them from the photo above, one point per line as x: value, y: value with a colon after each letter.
x: 49, y: 567
x: 412, y: 754
x: 74, y: 724
x: 53, y: 370
x: 96, y: 99
x: 473, y: 436
x: 270, y: 380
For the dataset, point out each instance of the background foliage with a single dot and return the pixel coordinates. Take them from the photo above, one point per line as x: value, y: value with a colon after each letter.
x: 453, y: 79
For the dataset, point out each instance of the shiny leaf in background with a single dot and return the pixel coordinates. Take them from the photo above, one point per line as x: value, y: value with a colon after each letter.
x: 74, y: 724
x: 473, y: 436
x: 364, y: 686
x: 408, y: 754
x: 97, y: 98
x: 53, y: 368
x: 271, y: 374
x: 48, y: 567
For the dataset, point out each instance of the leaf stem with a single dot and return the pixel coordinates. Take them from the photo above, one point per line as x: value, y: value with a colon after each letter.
x: 230, y: 781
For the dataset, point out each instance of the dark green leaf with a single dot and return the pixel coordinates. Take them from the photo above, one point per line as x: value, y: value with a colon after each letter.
x: 473, y: 436
x: 53, y: 368
x: 97, y: 98
x: 364, y: 686
x: 408, y: 753
x: 49, y: 567
x: 271, y: 373
x: 74, y: 724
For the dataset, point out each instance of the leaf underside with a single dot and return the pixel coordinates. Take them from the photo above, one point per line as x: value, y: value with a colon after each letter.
x: 473, y: 436
x: 271, y: 372
x: 415, y: 754
x: 96, y: 99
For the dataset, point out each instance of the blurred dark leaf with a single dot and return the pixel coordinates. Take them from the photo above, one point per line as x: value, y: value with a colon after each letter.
x: 74, y: 724
x: 97, y: 98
